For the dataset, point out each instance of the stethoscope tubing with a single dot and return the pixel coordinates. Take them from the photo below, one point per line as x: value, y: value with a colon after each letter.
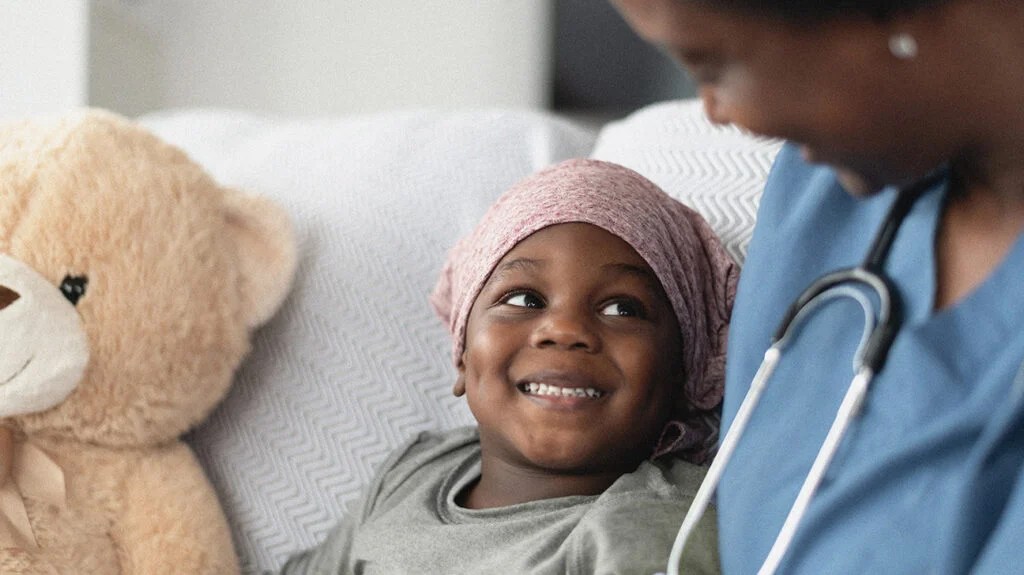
x: 848, y: 410
x: 710, y: 483
x: 880, y: 328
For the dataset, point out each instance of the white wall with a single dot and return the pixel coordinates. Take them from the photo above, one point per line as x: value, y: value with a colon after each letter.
x: 43, y: 50
x: 318, y: 57
x: 311, y: 57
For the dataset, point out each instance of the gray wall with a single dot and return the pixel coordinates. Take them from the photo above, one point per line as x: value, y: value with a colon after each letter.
x: 602, y: 66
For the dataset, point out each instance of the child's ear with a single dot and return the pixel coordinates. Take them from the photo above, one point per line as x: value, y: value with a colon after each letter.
x: 681, y: 402
x: 460, y: 382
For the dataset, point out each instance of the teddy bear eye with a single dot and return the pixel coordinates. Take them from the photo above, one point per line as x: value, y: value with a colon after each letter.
x: 73, y: 288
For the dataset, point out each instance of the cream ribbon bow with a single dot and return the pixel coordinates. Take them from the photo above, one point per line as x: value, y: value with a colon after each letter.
x: 25, y: 471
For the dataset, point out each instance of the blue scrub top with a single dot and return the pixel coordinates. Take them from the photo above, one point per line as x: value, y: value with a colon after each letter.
x: 928, y: 478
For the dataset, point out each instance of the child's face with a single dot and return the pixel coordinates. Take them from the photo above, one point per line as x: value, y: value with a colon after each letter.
x: 573, y: 354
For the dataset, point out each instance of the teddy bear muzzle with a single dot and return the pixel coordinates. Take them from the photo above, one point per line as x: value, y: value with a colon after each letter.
x: 43, y: 345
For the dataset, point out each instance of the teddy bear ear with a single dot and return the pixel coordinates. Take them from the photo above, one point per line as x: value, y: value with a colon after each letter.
x: 265, y: 245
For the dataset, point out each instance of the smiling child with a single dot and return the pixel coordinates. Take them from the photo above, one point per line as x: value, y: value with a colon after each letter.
x: 588, y: 312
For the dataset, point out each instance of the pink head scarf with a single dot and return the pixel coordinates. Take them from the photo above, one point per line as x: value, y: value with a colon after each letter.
x: 695, y: 271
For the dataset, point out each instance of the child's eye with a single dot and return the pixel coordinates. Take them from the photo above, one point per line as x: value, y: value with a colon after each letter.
x: 623, y: 309
x: 522, y: 299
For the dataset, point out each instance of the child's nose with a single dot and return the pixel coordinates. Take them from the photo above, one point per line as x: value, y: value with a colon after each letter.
x: 568, y: 329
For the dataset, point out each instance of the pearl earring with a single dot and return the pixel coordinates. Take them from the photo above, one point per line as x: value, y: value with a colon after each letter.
x: 903, y: 46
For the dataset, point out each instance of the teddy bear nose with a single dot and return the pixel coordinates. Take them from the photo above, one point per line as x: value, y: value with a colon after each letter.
x: 7, y: 296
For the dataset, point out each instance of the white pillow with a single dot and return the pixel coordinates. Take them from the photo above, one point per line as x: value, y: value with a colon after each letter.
x: 718, y: 171
x: 356, y: 361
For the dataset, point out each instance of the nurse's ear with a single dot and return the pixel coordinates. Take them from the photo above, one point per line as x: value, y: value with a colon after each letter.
x: 460, y: 382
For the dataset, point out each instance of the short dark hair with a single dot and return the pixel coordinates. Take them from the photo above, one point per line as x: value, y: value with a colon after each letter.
x: 820, y: 10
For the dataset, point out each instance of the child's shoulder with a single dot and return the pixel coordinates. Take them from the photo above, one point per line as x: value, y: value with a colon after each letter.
x: 427, y: 446
x: 641, y: 513
x: 668, y: 478
x: 427, y: 452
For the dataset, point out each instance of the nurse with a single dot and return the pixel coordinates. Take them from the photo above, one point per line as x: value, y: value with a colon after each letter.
x: 873, y: 95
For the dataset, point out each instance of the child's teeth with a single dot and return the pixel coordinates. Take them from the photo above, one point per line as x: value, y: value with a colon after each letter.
x: 557, y: 391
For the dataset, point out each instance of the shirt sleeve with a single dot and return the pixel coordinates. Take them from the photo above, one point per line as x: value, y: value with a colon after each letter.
x: 331, y: 556
x: 334, y: 554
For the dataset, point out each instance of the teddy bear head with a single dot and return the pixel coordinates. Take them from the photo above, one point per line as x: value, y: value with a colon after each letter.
x: 130, y: 281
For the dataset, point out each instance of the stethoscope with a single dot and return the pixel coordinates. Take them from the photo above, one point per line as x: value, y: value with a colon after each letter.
x: 880, y: 328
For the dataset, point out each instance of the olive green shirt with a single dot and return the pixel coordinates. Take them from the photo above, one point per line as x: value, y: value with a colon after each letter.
x: 409, y: 522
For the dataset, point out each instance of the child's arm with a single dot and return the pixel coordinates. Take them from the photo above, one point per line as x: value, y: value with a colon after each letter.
x: 328, y: 557
x: 334, y: 553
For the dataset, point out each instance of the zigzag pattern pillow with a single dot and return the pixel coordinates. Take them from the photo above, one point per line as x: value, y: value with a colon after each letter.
x: 718, y: 171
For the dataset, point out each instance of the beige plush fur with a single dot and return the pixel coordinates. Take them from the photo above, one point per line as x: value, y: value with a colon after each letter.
x: 180, y: 270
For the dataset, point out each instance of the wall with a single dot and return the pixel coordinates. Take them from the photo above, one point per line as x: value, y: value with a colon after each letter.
x: 320, y: 57
x: 603, y: 67
x: 39, y: 74
x: 327, y: 57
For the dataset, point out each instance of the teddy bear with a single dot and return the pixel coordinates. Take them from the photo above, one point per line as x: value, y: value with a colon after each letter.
x: 130, y: 286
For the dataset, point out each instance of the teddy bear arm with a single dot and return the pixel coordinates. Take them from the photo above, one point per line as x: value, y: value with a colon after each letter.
x: 172, y: 520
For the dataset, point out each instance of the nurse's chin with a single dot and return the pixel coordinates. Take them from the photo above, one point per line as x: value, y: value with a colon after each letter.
x: 856, y: 184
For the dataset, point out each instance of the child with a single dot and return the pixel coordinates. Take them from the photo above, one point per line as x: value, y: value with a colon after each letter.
x: 588, y: 312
